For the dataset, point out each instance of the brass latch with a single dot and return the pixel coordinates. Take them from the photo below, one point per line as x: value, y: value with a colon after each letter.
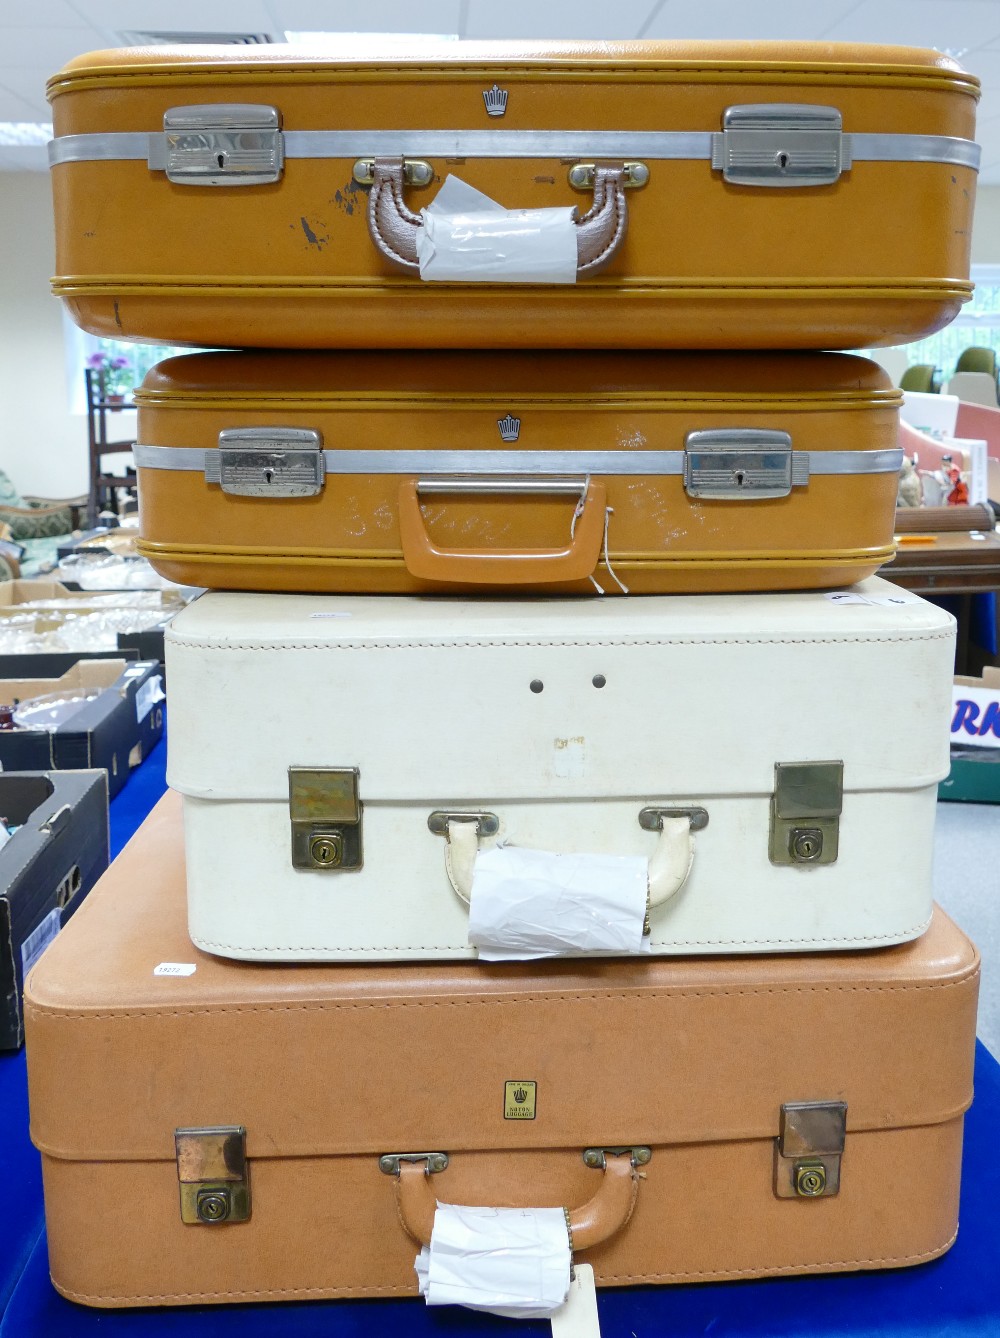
x: 325, y: 813
x: 808, y: 1149
x: 805, y: 812
x: 213, y: 1174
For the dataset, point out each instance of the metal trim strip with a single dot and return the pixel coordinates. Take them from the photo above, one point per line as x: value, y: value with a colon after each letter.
x: 569, y: 144
x: 423, y: 463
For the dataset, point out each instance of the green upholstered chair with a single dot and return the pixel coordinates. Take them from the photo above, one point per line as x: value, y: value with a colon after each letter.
x: 978, y: 359
x: 922, y: 376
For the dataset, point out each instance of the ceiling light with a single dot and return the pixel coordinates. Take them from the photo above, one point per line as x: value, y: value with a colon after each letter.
x: 137, y: 37
x: 326, y: 39
x: 25, y: 134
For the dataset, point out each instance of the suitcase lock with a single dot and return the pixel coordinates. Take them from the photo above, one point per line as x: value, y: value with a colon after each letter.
x: 220, y: 144
x: 742, y: 464
x: 267, y: 462
x: 805, y: 812
x: 325, y: 813
x: 781, y: 144
x: 213, y: 1175
x: 808, y: 1149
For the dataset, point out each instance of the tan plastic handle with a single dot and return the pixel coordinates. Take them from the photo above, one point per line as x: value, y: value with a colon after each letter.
x: 502, y: 566
x: 599, y: 232
x: 593, y: 1222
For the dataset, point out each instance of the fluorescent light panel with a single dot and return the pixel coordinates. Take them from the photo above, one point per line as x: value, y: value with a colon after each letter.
x: 25, y: 134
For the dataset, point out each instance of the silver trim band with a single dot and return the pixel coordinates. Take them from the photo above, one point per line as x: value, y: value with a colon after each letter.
x: 654, y: 145
x: 423, y: 464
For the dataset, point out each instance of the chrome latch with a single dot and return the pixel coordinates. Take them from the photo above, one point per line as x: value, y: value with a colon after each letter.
x: 487, y: 824
x: 416, y: 172
x: 808, y: 1149
x: 805, y: 812
x: 267, y: 462
x: 651, y: 819
x: 581, y: 175
x: 436, y: 1161
x: 597, y: 1158
x: 325, y: 813
x: 743, y: 463
x: 220, y: 144
x: 213, y: 1174
x: 781, y: 144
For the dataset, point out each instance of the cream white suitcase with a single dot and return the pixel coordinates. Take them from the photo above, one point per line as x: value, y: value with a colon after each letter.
x: 773, y: 759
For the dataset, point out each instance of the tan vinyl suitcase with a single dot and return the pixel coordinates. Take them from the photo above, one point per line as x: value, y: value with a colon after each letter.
x: 773, y: 194
x: 238, y: 1125
x: 570, y: 473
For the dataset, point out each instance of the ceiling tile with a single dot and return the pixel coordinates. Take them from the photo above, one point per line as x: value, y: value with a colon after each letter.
x: 43, y: 48
x: 956, y: 24
x: 556, y: 18
x: 367, y: 16
x: 29, y: 86
x: 44, y: 13
x: 17, y: 159
x: 14, y: 108
x: 179, y: 15
x: 733, y: 21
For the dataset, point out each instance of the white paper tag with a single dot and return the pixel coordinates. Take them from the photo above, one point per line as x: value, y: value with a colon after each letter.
x: 578, y: 1318
x: 39, y: 939
x: 148, y: 695
x: 532, y: 903
x: 845, y: 597
x: 175, y: 969
x: 507, y: 1261
x: 468, y: 238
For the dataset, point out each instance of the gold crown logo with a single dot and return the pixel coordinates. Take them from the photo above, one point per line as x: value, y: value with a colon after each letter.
x: 510, y: 427
x: 496, y: 100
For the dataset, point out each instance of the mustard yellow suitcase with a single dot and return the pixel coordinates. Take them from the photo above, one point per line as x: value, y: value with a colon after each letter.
x: 588, y: 472
x: 638, y: 194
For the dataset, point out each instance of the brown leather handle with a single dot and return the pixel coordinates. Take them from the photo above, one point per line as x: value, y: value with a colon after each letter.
x: 599, y: 232
x: 502, y: 566
x: 593, y: 1222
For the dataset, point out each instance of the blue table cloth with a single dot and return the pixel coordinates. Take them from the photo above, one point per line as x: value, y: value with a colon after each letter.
x: 956, y: 1296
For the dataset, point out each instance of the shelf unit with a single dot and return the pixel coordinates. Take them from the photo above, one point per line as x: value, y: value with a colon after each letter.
x: 103, y: 489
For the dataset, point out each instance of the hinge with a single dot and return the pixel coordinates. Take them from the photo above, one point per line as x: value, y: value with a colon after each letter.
x: 781, y: 144
x: 805, y: 812
x: 220, y: 144
x: 325, y: 812
x: 267, y: 462
x: 808, y: 1149
x: 213, y: 1174
x: 742, y: 464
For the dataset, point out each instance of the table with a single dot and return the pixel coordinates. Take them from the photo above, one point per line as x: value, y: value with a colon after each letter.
x: 957, y: 1296
x: 954, y: 563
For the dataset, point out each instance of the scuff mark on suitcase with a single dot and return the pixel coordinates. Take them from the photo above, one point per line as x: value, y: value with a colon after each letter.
x: 546, y: 181
x: 118, y: 319
x: 343, y: 198
x: 311, y: 237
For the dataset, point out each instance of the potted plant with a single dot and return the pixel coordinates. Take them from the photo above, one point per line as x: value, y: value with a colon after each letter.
x: 115, y: 375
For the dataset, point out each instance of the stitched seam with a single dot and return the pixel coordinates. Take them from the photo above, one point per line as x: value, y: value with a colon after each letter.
x: 891, y: 937
x: 617, y: 210
x: 179, y: 639
x: 485, y: 1001
x: 373, y: 219
x: 605, y: 1278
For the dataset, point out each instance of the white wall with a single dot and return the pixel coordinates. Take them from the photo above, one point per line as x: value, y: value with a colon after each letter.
x: 42, y: 445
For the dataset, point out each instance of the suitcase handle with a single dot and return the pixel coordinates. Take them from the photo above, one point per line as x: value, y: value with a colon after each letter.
x: 599, y: 232
x: 503, y: 566
x: 669, y: 864
x: 593, y: 1222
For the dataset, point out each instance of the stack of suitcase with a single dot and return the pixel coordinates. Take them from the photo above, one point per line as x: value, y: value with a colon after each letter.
x: 611, y: 598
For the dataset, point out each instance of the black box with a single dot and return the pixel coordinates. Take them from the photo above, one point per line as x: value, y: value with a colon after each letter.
x: 48, y: 866
x: 114, y: 731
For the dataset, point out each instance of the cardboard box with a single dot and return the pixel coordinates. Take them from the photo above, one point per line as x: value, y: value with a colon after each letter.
x: 114, y: 731
x: 975, y: 741
x: 50, y: 863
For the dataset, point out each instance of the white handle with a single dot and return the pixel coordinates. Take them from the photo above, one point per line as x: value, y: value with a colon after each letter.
x: 669, y: 864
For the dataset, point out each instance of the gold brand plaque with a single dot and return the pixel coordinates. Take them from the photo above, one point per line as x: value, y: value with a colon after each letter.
x: 519, y: 1099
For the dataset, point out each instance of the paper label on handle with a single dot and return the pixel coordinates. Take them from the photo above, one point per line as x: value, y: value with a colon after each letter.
x: 468, y: 238
x: 578, y: 1318
x: 532, y: 903
x: 513, y: 1262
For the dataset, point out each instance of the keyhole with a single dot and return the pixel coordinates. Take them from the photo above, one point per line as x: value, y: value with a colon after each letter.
x: 782, y: 160
x: 268, y: 475
x: 739, y: 476
x: 220, y: 158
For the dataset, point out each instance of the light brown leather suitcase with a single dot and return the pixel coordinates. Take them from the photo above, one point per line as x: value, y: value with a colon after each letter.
x: 215, y: 1131
x: 419, y: 472
x: 773, y: 194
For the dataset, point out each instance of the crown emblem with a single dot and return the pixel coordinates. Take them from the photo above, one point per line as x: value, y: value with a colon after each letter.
x: 496, y: 100
x: 520, y: 1095
x: 510, y: 428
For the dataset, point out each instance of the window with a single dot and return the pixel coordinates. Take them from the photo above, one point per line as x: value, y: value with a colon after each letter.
x: 978, y: 323
x: 80, y: 346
